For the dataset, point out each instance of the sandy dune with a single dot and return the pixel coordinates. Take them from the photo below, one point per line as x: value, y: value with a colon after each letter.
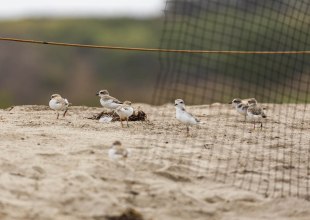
x: 59, y: 169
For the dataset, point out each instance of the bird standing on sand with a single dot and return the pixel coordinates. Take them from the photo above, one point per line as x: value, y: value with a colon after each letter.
x: 108, y: 101
x: 183, y: 116
x: 241, y: 105
x: 58, y: 103
x: 117, y: 151
x: 256, y: 113
x: 124, y: 112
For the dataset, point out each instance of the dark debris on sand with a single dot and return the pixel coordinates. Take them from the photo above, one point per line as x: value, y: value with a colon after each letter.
x: 136, y: 116
x: 128, y: 214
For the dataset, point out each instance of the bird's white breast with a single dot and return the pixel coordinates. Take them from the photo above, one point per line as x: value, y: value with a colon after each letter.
x: 114, y: 155
x: 241, y: 111
x: 55, y: 105
x: 252, y: 116
x: 125, y: 112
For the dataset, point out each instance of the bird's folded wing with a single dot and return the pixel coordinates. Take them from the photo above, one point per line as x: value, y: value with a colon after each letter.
x: 117, y: 101
x: 196, y: 119
x: 60, y: 100
x: 121, y: 151
x: 257, y: 111
x: 113, y: 100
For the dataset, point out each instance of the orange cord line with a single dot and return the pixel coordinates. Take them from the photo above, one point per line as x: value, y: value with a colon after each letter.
x: 151, y: 49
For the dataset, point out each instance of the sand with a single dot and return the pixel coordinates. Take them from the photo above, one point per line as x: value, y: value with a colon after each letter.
x: 59, y: 169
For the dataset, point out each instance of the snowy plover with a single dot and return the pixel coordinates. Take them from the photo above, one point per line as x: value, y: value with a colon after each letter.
x: 108, y: 101
x: 237, y: 101
x: 256, y: 113
x: 117, y: 151
x: 183, y: 116
x: 58, y: 103
x: 241, y: 105
x: 124, y: 112
x: 250, y: 101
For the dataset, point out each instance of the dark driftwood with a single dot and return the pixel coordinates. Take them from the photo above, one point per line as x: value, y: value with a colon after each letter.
x: 137, y: 116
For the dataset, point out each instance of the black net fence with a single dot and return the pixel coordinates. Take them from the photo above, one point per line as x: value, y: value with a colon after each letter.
x: 273, y: 160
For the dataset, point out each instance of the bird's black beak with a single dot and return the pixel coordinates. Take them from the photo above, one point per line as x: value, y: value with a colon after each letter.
x: 230, y: 103
x: 175, y: 104
x: 97, y: 94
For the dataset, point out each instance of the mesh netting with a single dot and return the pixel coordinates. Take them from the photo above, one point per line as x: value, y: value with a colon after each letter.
x: 273, y: 160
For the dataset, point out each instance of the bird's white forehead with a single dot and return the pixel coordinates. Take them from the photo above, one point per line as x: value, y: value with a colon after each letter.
x: 178, y: 101
x: 55, y: 95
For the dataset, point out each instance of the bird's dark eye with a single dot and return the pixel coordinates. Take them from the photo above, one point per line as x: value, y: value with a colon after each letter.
x: 181, y: 102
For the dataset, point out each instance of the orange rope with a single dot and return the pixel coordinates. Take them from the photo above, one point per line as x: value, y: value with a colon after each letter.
x: 152, y: 49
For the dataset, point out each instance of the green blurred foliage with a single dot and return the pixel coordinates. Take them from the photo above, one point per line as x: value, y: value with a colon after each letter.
x: 29, y: 74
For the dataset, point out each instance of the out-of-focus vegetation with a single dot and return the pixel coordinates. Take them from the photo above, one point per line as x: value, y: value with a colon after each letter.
x: 29, y: 74
x: 237, y: 25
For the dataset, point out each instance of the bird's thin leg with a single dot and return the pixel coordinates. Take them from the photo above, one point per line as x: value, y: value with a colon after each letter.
x: 57, y: 115
x: 115, y: 115
x: 122, y: 123
x: 187, y: 129
x: 127, y: 123
x: 65, y: 113
x: 254, y: 125
x: 261, y: 125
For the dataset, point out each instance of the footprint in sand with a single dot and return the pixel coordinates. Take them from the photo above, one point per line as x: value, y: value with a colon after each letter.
x: 172, y: 176
x: 49, y: 154
x: 85, y: 151
x: 40, y: 170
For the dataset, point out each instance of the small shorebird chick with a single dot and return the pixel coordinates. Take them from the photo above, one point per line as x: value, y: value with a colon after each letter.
x: 108, y: 101
x: 117, y: 151
x: 183, y: 116
x: 241, y: 106
x: 58, y: 103
x: 250, y: 101
x: 256, y: 113
x: 124, y: 112
x: 237, y: 101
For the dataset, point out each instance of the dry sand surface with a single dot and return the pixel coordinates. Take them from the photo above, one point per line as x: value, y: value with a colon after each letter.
x: 59, y: 169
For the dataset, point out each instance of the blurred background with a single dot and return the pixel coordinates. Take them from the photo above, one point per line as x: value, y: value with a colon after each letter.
x: 29, y: 74
x: 235, y: 25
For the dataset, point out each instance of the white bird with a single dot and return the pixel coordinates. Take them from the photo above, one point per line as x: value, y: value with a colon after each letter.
x: 58, y: 103
x: 117, y: 151
x: 124, y: 112
x: 108, y: 101
x: 256, y: 113
x: 183, y: 116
